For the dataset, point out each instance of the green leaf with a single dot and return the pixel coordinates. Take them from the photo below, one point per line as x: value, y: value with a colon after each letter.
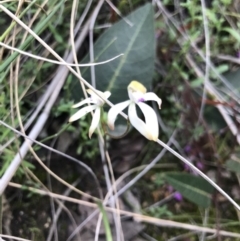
x: 211, y: 114
x: 233, y: 32
x: 160, y: 212
x: 136, y: 42
x: 193, y: 188
x: 220, y: 70
x: 212, y: 16
x: 29, y: 165
x: 214, y: 118
x: 233, y: 165
x: 226, y: 2
x: 233, y: 78
x: 197, y: 82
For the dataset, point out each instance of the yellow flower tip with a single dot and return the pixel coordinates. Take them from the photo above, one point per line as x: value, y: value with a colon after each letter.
x: 137, y: 86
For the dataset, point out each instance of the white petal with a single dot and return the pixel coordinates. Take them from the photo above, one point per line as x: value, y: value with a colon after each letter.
x: 90, y: 92
x: 152, y: 96
x: 137, y: 122
x: 130, y: 95
x: 82, y: 112
x: 107, y: 94
x: 137, y: 96
x: 150, y: 119
x: 95, y: 121
x: 97, y: 98
x: 86, y: 101
x: 114, y: 111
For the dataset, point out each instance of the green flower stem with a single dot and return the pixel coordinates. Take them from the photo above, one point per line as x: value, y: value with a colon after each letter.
x: 105, y: 222
x: 57, y: 134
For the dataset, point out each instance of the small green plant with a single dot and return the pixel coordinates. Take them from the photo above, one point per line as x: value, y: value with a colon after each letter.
x: 160, y: 212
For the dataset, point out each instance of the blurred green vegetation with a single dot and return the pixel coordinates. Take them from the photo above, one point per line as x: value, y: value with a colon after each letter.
x: 157, y: 52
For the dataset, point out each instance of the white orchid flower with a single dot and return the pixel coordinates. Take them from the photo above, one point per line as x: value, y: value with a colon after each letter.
x: 137, y: 94
x: 97, y: 103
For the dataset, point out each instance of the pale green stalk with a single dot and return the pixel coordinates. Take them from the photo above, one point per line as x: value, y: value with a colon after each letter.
x: 105, y: 222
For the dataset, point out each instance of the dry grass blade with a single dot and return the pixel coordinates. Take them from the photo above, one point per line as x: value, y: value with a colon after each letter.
x: 60, y: 153
x: 57, y: 62
x: 138, y: 217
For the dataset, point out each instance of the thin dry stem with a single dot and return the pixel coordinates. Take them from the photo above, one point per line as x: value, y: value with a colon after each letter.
x: 58, y: 212
x: 138, y: 217
x: 57, y: 62
x: 102, y: 144
x: 159, y: 142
